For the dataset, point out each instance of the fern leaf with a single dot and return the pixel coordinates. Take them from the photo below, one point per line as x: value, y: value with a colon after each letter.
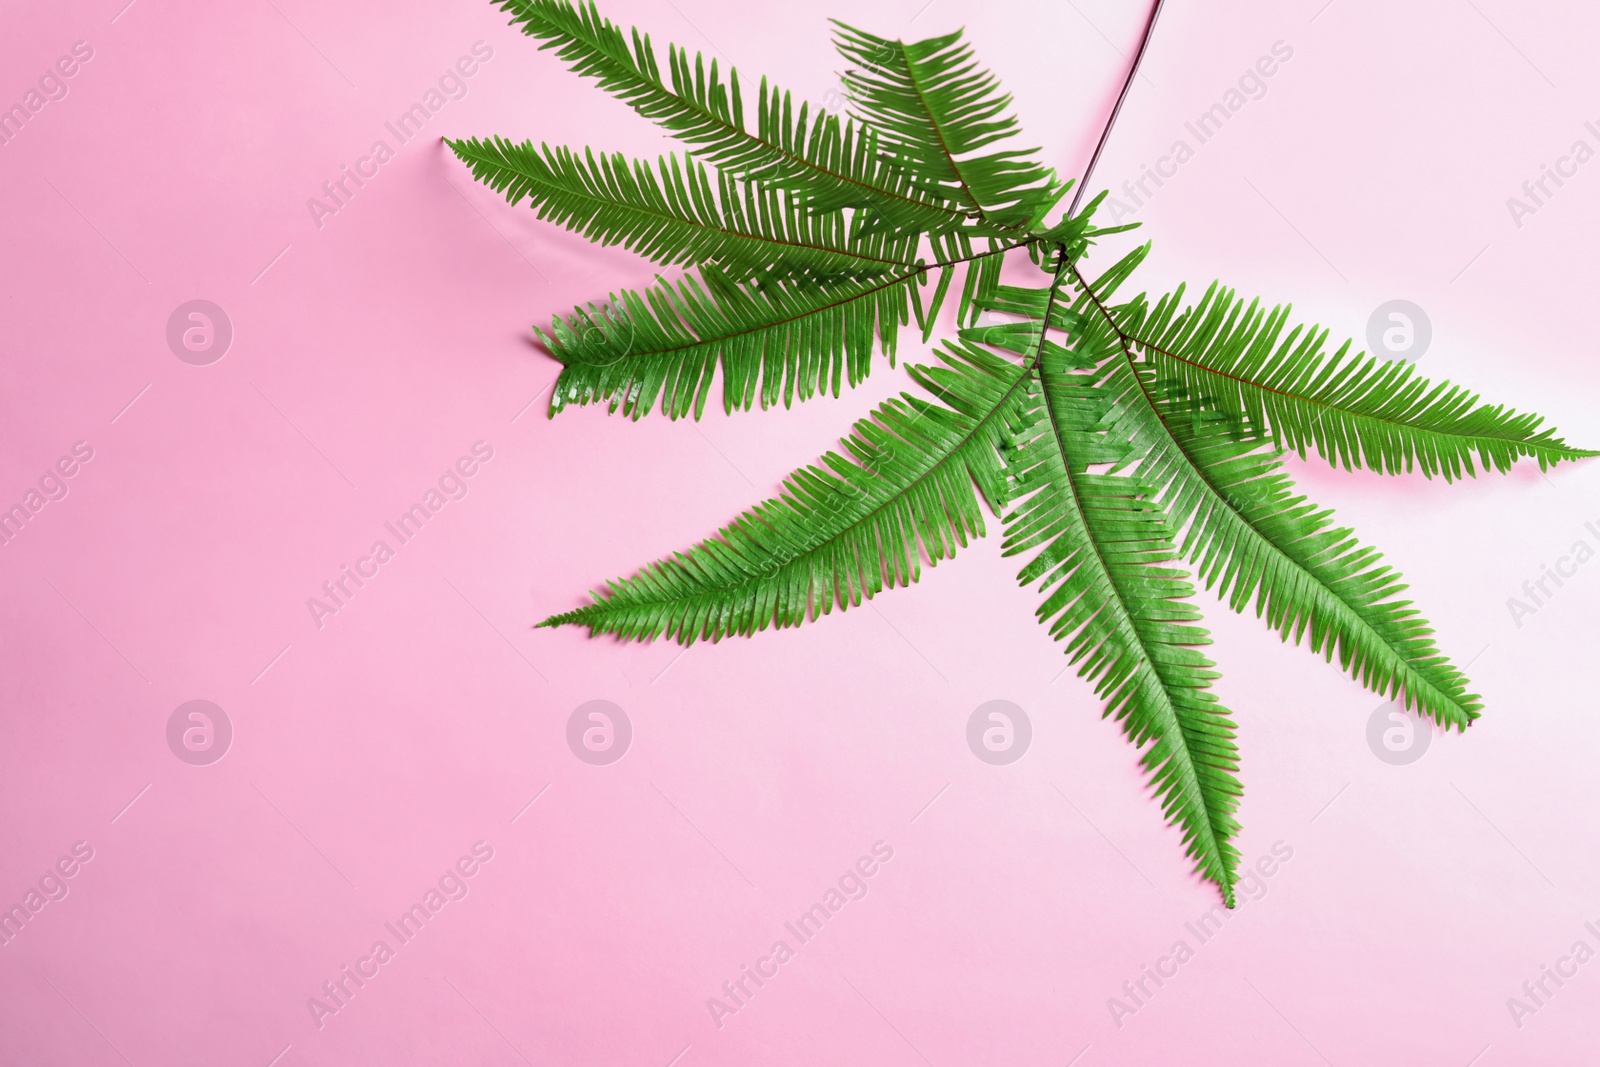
x: 1252, y: 538
x: 831, y: 164
x: 774, y: 339
x: 1115, y: 438
x: 1354, y: 411
x: 678, y: 214
x: 772, y: 342
x: 840, y: 532
x: 1103, y: 549
x: 936, y: 110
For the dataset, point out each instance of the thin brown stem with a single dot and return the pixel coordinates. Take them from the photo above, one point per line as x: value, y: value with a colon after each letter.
x: 1127, y: 83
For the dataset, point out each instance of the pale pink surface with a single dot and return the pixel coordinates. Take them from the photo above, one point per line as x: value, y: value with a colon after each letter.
x: 427, y: 713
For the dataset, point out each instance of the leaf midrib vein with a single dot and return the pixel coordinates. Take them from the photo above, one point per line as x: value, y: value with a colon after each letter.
x: 1169, y: 712
x: 904, y: 491
x: 763, y: 327
x: 1220, y: 499
x: 1560, y: 449
x: 653, y: 213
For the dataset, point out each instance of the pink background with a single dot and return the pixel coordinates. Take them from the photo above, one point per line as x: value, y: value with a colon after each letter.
x: 373, y: 752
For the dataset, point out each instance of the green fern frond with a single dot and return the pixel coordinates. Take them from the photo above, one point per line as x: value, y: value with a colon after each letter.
x: 677, y: 213
x: 1103, y: 554
x: 1252, y: 537
x: 831, y: 164
x: 1354, y: 411
x: 1114, y: 438
x: 839, y: 533
x: 774, y: 341
x: 773, y: 338
x: 936, y: 110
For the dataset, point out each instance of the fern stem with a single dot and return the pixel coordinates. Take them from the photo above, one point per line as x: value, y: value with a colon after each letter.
x: 980, y: 255
x: 1063, y: 267
x: 1116, y: 109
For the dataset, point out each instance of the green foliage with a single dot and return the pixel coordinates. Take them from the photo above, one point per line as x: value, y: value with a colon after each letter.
x: 1356, y: 412
x: 1116, y: 438
x: 829, y: 164
x: 779, y: 339
x: 840, y: 532
x: 678, y: 214
x: 934, y: 108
